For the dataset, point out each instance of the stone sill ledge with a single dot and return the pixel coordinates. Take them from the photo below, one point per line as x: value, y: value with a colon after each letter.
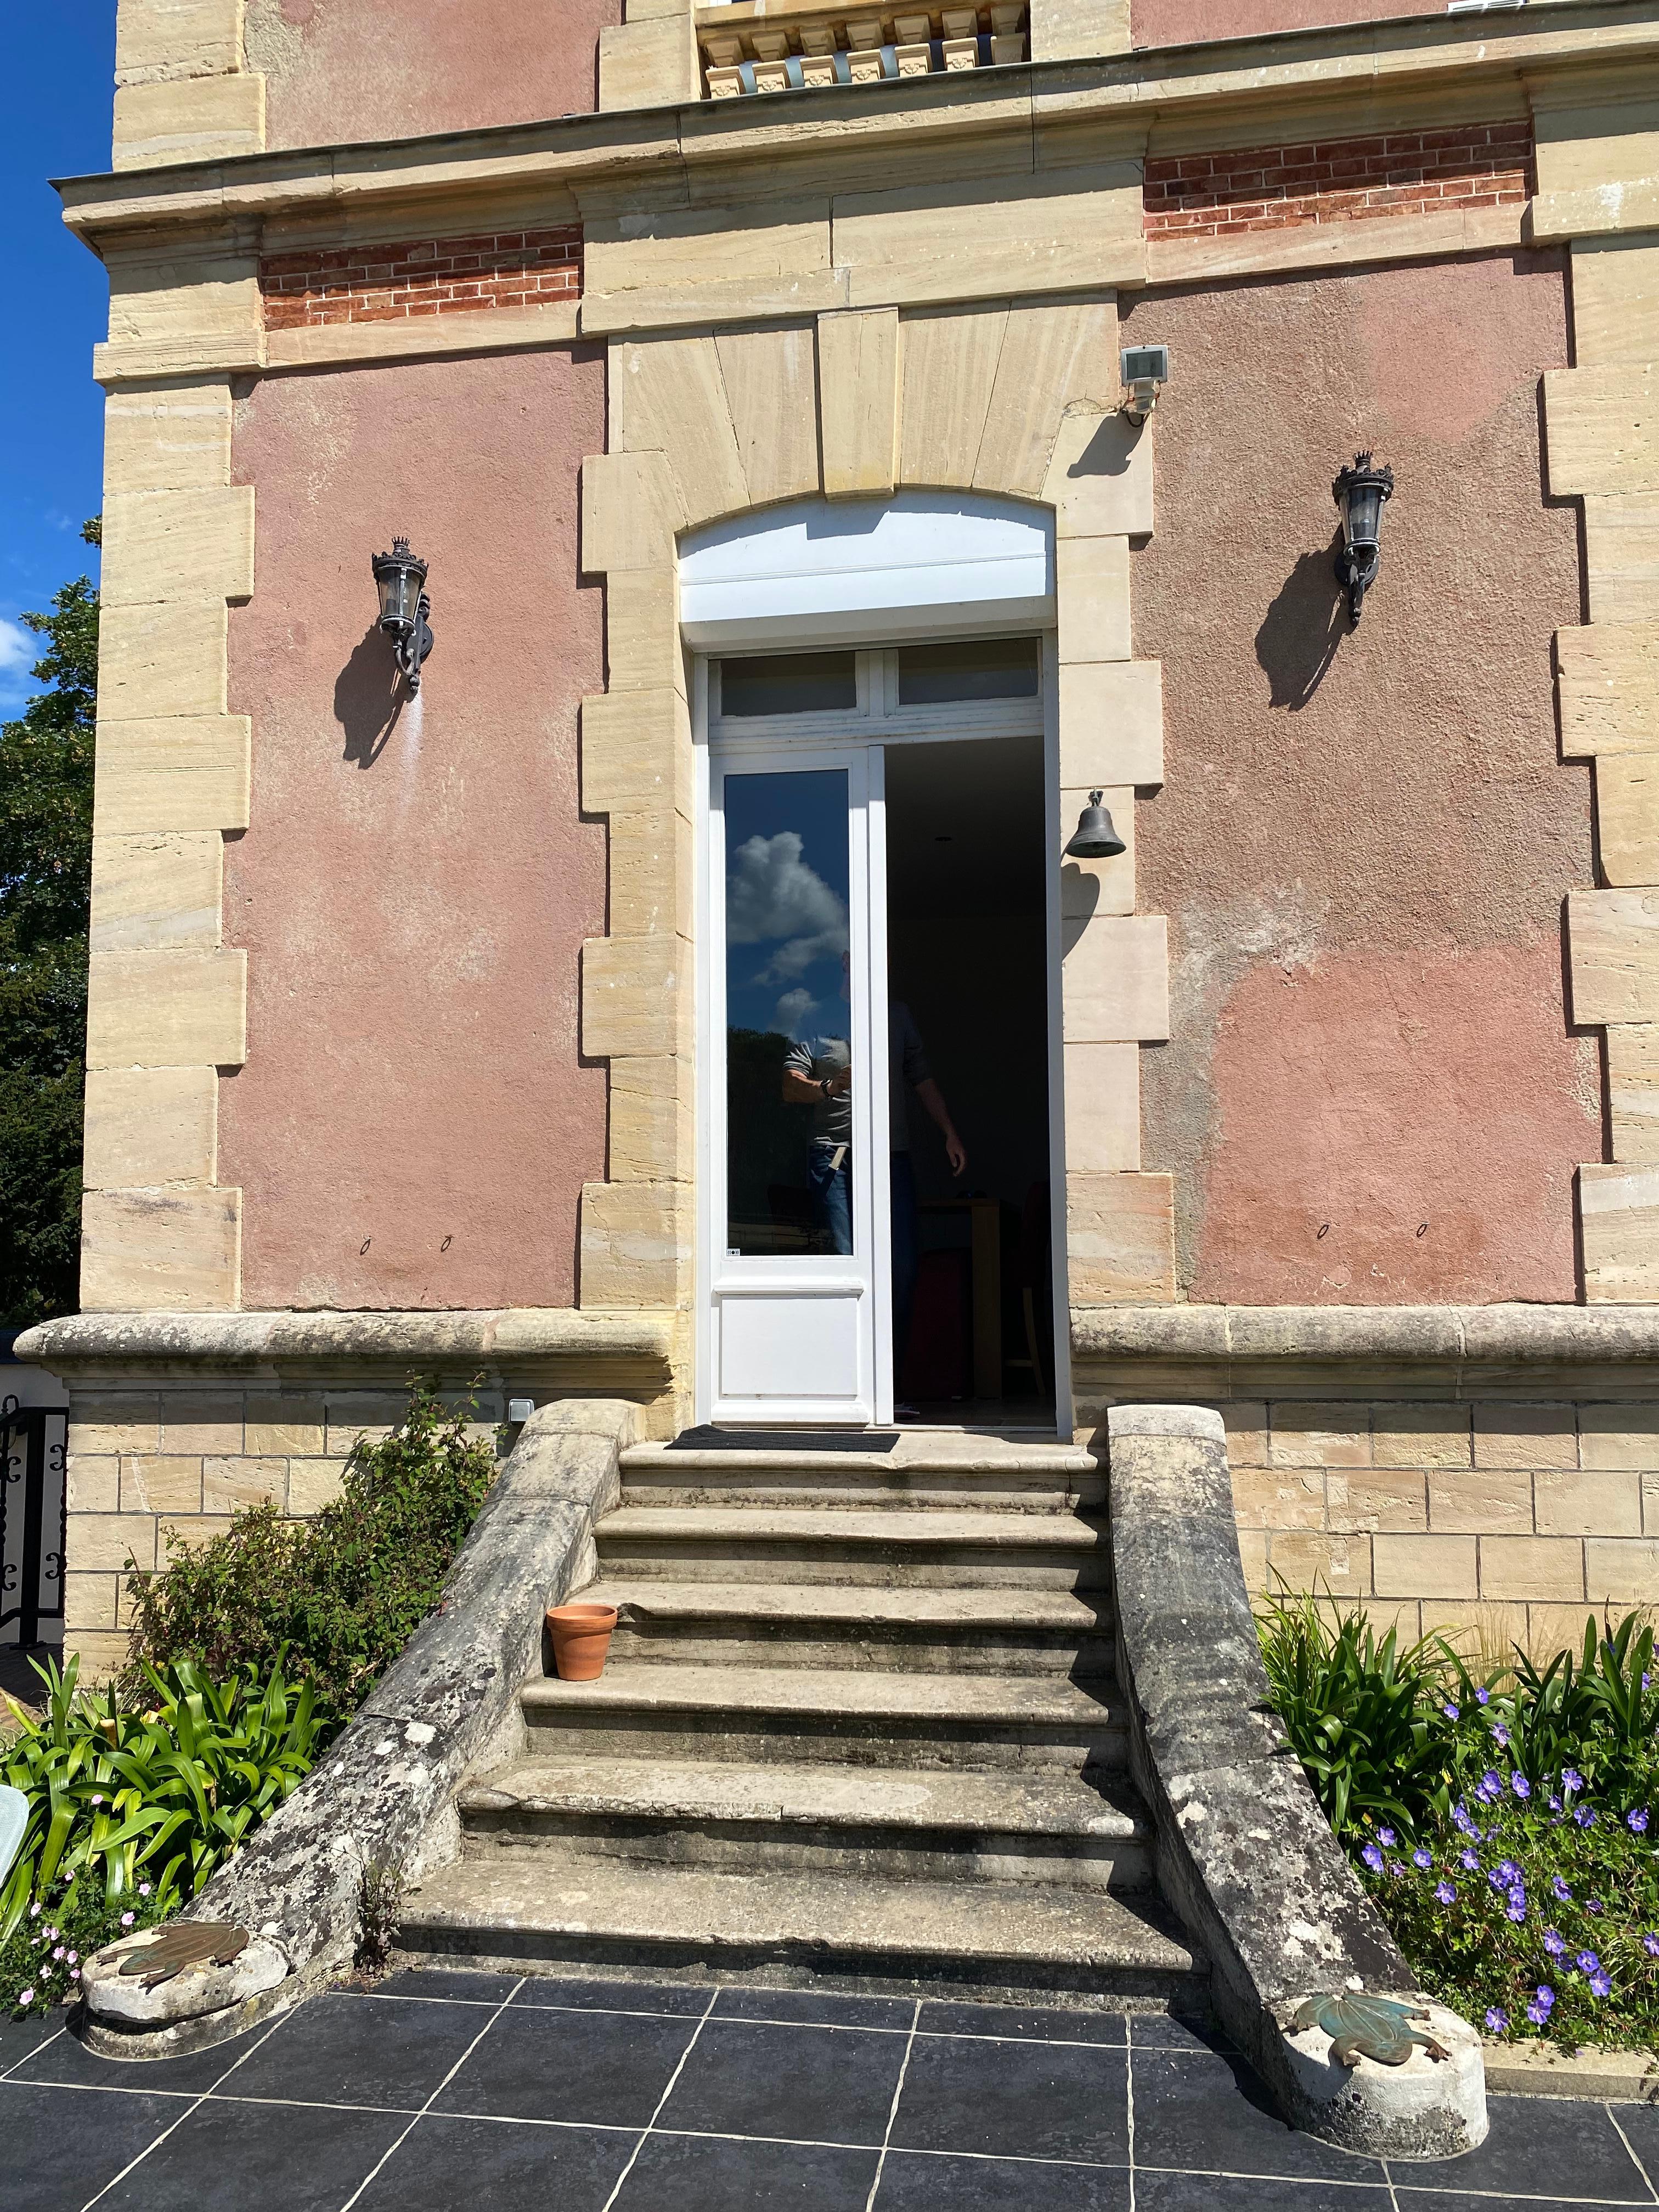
x: 552, y: 1344
x: 1287, y: 1349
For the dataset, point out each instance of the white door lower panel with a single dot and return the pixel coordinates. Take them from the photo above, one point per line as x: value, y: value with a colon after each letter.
x: 801, y: 1354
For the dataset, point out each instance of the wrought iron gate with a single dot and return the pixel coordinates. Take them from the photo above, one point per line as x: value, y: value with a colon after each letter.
x: 33, y: 1446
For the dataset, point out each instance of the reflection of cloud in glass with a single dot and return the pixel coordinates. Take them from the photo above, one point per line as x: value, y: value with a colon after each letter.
x: 772, y: 894
x: 793, y: 1012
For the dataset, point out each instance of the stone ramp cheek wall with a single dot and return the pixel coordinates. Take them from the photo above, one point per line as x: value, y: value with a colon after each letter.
x: 384, y: 1793
x: 1243, y: 1852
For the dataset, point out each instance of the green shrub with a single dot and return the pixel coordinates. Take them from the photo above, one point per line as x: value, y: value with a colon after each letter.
x: 41, y: 1961
x: 1502, y: 1826
x: 127, y: 1803
x: 1358, y: 1712
x: 339, y: 1595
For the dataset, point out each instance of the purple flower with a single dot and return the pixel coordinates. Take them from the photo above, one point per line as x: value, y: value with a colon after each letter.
x: 1483, y: 1697
x: 1469, y: 1861
x: 1521, y: 1786
x: 1450, y: 1710
x: 143, y: 1889
x: 34, y: 1911
x: 1515, y: 1910
x: 1373, y: 1858
x: 1555, y: 1804
x: 1588, y: 1963
x: 1545, y: 1997
x: 1386, y: 1837
x: 1509, y: 1870
x: 73, y: 1956
x: 1638, y: 1821
x: 1500, y: 1735
x: 27, y: 1997
x: 1498, y: 2021
x: 1498, y: 1879
x: 1492, y: 1782
x: 1553, y: 1944
x: 1583, y: 1816
x: 1560, y: 1889
x: 59, y: 1952
x: 1538, y: 2015
x: 1571, y: 1779
x: 1601, y: 1986
x: 1460, y: 1818
x: 1651, y: 1945
x: 126, y: 1919
x: 1397, y: 1868
x: 1446, y: 1891
x: 1422, y: 1858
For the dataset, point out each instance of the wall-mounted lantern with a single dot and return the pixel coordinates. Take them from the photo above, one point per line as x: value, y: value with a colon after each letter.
x: 400, y: 577
x: 1145, y: 371
x: 1360, y: 491
x: 1095, y: 838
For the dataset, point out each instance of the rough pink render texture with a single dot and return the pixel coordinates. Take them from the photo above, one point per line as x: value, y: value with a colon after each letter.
x: 1371, y: 1093
x: 1182, y: 22
x: 339, y: 72
x: 414, y: 1123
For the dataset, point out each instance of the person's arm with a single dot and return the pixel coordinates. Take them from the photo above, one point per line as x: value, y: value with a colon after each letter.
x: 939, y: 1114
x: 800, y: 1089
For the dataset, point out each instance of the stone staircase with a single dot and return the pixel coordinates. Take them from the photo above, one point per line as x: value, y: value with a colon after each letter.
x: 860, y: 1725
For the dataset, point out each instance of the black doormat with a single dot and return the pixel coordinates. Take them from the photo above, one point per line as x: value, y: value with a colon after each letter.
x: 709, y: 1438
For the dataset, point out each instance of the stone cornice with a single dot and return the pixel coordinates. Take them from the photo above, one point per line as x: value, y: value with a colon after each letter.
x: 554, y: 1344
x: 1045, y: 115
x: 1450, y: 1351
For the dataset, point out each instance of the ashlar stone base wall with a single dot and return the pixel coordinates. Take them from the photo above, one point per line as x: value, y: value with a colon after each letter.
x: 145, y: 1466
x: 1506, y: 1519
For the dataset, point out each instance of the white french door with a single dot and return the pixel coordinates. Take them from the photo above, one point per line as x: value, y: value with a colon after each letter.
x: 793, y: 1080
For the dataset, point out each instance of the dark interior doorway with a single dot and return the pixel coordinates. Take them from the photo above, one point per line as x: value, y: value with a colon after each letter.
x: 967, y: 954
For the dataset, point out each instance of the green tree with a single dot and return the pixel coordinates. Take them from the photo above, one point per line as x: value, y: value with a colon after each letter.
x: 46, y: 869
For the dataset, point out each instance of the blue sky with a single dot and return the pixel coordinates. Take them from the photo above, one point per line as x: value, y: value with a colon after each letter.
x: 54, y: 98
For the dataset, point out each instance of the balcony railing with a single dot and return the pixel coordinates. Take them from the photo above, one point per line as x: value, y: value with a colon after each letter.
x: 793, y: 46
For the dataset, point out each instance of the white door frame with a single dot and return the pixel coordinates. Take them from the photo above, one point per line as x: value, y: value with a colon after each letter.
x: 781, y: 743
x: 755, y: 1286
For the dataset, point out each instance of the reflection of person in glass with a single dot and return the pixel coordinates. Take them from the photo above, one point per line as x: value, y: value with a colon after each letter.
x: 818, y: 1073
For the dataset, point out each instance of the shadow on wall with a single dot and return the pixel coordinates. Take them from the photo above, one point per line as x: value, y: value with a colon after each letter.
x: 1301, y: 630
x: 368, y: 697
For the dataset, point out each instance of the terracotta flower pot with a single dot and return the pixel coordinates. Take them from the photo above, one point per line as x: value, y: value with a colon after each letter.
x: 581, y: 1637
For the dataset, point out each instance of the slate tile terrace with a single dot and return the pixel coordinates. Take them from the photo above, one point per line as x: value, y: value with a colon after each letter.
x: 439, y: 2088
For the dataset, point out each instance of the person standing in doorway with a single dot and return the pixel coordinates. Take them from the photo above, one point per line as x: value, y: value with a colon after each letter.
x: 817, y: 1072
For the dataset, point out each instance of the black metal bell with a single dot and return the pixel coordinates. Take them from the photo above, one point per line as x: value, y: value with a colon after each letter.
x: 1095, y: 839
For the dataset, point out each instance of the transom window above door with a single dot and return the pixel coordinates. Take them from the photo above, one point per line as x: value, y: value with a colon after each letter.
x: 987, y: 684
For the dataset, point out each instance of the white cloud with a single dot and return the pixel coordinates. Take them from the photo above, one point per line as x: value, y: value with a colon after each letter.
x: 20, y: 649
x: 791, y: 1012
x: 775, y: 897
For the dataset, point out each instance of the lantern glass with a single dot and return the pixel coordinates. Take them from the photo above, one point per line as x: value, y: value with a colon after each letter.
x: 399, y: 576
x: 1363, y: 516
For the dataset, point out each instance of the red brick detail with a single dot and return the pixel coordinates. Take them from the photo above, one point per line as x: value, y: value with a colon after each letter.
x: 1341, y: 180
x: 421, y: 276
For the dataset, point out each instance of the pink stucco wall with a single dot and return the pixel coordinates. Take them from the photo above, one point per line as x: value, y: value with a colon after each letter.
x: 1182, y: 22
x: 338, y: 72
x: 414, y: 1122
x: 1371, y: 1094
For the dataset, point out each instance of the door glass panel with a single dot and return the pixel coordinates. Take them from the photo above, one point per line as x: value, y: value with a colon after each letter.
x: 789, y: 684
x: 789, y: 1145
x: 981, y: 668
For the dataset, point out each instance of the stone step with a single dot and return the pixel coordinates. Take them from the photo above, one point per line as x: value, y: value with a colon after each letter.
x: 953, y: 1472
x: 891, y: 1822
x: 933, y: 1547
x: 917, y: 1629
x: 523, y: 1914
x: 749, y: 1714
